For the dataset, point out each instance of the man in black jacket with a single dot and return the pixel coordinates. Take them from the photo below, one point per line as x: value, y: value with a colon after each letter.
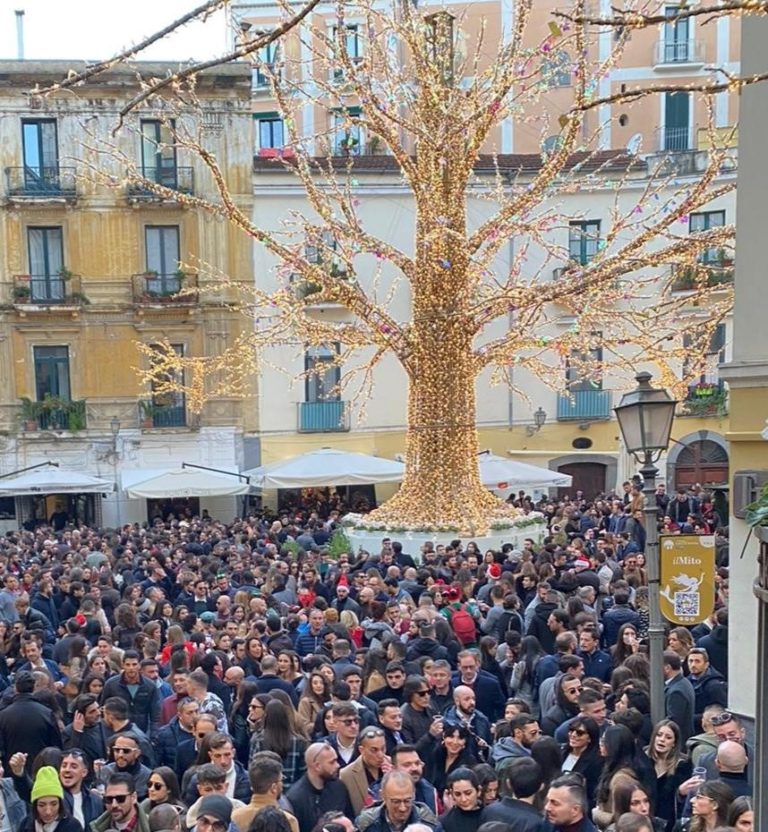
x: 26, y: 725
x: 177, y: 731
x: 87, y: 733
x: 142, y: 696
x: 319, y: 790
x: 520, y: 783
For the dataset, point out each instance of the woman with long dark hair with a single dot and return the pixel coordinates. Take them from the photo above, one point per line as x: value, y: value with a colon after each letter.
x: 276, y: 735
x: 317, y: 692
x: 581, y: 753
x: 671, y: 767
x: 162, y: 787
x: 254, y: 653
x: 521, y: 682
x: 619, y: 753
x: 633, y: 798
x: 448, y: 753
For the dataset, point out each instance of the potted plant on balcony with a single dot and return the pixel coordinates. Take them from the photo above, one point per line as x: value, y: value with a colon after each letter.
x: 146, y: 413
x: 22, y: 293
x: 30, y: 412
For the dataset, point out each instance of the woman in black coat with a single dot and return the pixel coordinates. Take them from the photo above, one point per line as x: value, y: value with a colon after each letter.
x: 581, y: 753
x: 448, y: 753
x: 464, y: 788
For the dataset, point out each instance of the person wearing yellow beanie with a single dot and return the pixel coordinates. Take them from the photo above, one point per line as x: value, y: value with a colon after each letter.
x: 49, y: 814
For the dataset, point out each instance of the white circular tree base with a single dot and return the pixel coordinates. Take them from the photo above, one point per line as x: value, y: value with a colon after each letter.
x: 370, y: 541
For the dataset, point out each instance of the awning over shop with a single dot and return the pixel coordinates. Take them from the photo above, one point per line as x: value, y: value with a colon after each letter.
x: 503, y: 474
x: 326, y: 466
x: 50, y: 479
x: 181, y: 482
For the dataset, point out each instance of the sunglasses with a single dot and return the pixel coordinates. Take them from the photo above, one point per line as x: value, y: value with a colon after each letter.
x: 116, y: 798
x: 580, y: 732
x: 353, y: 720
x: 118, y: 750
x: 421, y: 692
x: 153, y: 784
x: 371, y: 733
x: 722, y: 719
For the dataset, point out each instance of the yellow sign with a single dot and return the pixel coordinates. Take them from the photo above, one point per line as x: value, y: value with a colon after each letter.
x: 687, y: 587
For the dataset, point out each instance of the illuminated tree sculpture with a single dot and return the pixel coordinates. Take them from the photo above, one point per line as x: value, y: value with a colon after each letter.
x: 435, y: 112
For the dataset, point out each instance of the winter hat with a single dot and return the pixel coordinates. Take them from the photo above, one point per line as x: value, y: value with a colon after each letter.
x: 494, y: 571
x: 217, y: 806
x: 47, y: 784
x: 343, y: 581
x: 208, y: 617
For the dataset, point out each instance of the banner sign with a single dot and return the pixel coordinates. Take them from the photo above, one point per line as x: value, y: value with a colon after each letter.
x: 687, y: 585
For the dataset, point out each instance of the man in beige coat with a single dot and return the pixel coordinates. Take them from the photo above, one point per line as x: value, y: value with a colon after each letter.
x: 362, y: 778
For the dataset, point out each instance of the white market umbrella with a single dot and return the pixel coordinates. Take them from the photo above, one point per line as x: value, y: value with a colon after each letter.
x: 53, y: 480
x: 187, y: 482
x: 326, y: 466
x: 505, y: 474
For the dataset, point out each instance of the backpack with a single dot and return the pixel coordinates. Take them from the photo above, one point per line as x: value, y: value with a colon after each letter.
x: 463, y: 626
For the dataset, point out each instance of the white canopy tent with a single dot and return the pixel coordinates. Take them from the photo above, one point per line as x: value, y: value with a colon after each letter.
x: 50, y: 479
x: 326, y: 466
x: 183, y: 482
x: 504, y: 475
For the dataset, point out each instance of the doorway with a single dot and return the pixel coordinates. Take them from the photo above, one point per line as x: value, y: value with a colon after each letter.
x: 589, y: 477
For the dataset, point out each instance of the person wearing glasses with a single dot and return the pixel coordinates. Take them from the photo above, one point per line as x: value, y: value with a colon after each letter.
x: 126, y: 754
x: 566, y: 705
x: 187, y: 752
x: 343, y: 740
x: 83, y: 804
x: 418, y: 715
x: 362, y: 777
x: 398, y: 809
x: 581, y: 753
x: 214, y: 815
x: 122, y: 810
x: 163, y: 788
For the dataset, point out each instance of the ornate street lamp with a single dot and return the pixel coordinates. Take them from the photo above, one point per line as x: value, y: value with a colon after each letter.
x: 645, y: 417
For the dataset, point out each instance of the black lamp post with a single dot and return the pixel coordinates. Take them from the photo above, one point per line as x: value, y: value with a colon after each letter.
x: 645, y: 418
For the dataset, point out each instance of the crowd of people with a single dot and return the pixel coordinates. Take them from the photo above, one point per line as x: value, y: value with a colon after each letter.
x: 193, y: 674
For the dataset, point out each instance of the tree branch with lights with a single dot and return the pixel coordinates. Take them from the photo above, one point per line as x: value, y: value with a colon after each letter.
x: 470, y: 310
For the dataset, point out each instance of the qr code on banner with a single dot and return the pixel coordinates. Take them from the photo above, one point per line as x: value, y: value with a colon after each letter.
x: 687, y: 603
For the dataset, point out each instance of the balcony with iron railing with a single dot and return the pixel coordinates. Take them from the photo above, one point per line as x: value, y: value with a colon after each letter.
x: 51, y: 182
x: 167, y: 290
x: 173, y: 177
x: 53, y: 413
x: 674, y: 139
x: 154, y: 415
x: 706, y: 398
x: 584, y: 405
x: 46, y: 290
x: 670, y: 53
x: 323, y: 417
x: 711, y: 272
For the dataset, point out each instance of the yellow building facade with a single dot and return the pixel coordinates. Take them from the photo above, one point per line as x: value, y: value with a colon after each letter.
x: 92, y: 264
